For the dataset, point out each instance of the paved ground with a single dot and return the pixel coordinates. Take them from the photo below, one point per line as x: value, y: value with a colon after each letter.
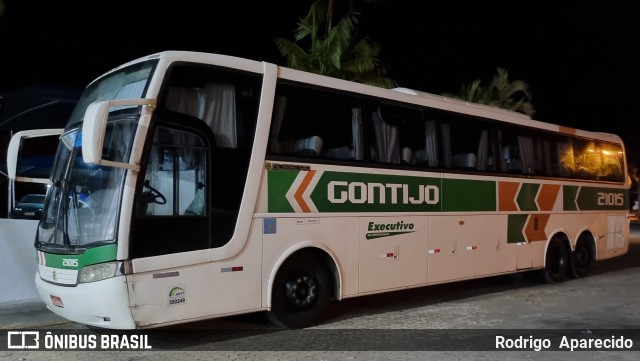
x: 607, y: 299
x: 28, y: 314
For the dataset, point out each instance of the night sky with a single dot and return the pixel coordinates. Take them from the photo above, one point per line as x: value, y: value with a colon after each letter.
x: 579, y: 58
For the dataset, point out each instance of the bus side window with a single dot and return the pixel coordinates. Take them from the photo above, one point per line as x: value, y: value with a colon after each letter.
x: 354, y: 150
x: 315, y: 123
x: 465, y: 143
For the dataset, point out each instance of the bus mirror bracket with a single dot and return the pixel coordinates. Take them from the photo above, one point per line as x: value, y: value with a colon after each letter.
x: 94, y: 127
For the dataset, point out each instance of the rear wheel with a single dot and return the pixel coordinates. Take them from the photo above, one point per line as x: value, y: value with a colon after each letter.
x: 556, y: 262
x: 581, y: 259
x: 301, y: 292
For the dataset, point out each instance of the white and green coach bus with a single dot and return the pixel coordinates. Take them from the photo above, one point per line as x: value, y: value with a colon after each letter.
x: 189, y: 186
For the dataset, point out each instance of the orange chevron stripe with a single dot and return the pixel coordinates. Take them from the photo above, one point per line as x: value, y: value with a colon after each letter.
x: 507, y: 195
x: 547, y: 196
x: 534, y: 229
x: 303, y: 186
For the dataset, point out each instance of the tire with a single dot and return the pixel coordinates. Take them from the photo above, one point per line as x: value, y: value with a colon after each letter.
x: 301, y: 292
x: 581, y: 259
x: 556, y: 266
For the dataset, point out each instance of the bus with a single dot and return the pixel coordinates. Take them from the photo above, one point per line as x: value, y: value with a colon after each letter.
x: 188, y: 186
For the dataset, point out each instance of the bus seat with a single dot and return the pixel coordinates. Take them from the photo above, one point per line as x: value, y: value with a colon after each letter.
x: 197, y: 205
x: 308, y: 147
x: 421, y: 157
x: 406, y: 156
x: 464, y: 160
x: 343, y: 152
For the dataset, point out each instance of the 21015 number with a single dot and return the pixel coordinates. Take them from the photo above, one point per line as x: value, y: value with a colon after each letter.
x: 610, y: 199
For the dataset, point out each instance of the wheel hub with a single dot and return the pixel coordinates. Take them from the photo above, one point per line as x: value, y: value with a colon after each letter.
x: 302, y: 291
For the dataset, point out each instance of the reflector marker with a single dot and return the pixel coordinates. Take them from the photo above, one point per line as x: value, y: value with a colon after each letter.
x: 232, y: 269
x: 472, y: 248
x: 432, y: 251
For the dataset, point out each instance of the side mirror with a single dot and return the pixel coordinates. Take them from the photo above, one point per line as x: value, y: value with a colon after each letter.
x: 94, y: 127
x: 13, y: 152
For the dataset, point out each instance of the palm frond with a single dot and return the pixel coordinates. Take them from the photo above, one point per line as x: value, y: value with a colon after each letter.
x: 501, y: 93
x: 296, y: 57
x: 313, y: 23
x: 333, y: 52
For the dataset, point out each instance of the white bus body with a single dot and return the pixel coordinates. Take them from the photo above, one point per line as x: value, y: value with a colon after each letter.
x: 190, y: 186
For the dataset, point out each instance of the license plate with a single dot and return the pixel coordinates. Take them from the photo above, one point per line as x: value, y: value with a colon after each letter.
x: 29, y: 213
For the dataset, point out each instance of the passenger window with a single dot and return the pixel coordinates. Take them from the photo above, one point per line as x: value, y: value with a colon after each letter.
x: 400, y: 136
x: 315, y: 123
x: 466, y: 143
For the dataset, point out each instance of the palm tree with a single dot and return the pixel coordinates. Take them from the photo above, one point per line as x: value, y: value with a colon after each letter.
x: 334, y: 51
x: 501, y: 92
x: 511, y: 95
x: 351, y: 6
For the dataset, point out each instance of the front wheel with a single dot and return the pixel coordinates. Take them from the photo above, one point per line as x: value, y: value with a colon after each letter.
x: 301, y: 292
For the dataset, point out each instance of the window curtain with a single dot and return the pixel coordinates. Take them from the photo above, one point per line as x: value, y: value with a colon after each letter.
x: 483, y: 150
x: 547, y: 157
x: 276, y: 124
x: 446, y: 144
x: 220, y: 113
x: 502, y: 163
x: 386, y: 140
x: 215, y: 104
x: 431, y: 143
x: 526, y: 154
x: 358, y: 138
x: 185, y: 101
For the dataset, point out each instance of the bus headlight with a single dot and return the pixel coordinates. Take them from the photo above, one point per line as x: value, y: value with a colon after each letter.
x: 97, y: 272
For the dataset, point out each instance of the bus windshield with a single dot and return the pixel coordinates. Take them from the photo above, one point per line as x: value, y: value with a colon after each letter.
x: 82, y: 203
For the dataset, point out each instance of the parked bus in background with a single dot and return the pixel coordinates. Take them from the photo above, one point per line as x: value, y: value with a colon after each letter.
x: 189, y: 186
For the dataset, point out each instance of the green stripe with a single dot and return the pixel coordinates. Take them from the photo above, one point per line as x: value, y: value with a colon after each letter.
x: 90, y: 256
x: 384, y: 193
x: 527, y: 197
x: 569, y: 198
x: 279, y: 182
x: 363, y: 192
x: 593, y: 198
x: 468, y: 195
x: 515, y: 225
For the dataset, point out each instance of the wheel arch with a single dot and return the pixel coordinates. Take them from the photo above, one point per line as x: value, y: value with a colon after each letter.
x: 562, y: 237
x: 586, y: 235
x: 328, y: 258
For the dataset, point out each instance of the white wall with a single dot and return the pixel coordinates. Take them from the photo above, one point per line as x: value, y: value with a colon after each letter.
x: 17, y: 260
